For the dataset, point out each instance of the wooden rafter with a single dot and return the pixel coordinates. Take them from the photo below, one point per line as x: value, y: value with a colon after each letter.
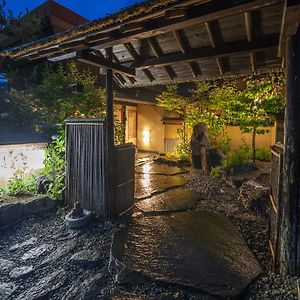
x: 201, y: 13
x: 88, y: 58
x: 192, y: 65
x: 158, y: 53
x: 117, y: 77
x: 249, y: 31
x: 115, y: 59
x: 213, y: 42
x: 227, y: 49
x: 136, y: 57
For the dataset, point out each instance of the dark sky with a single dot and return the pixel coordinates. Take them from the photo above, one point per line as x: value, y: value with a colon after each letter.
x: 91, y: 9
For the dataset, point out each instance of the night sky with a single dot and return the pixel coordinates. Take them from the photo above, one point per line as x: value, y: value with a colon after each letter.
x: 90, y: 9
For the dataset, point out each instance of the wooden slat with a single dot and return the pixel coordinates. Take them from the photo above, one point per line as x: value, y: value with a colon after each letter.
x: 192, y: 65
x: 136, y: 57
x: 204, y: 12
x: 158, y: 53
x: 213, y: 42
x: 227, y: 49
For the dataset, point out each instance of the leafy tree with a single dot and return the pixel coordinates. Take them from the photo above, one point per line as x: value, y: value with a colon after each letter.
x: 171, y: 100
x: 253, y: 109
x: 56, y: 100
x: 13, y: 26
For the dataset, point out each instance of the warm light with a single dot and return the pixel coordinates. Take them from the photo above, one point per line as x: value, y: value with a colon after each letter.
x: 146, y: 136
x: 146, y: 139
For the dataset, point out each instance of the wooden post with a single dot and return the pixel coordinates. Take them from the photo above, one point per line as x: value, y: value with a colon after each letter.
x: 110, y: 212
x: 290, y: 215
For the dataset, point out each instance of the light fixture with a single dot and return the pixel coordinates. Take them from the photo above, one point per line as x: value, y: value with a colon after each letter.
x: 146, y: 136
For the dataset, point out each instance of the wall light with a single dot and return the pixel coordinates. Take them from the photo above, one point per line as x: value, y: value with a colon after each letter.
x: 146, y: 136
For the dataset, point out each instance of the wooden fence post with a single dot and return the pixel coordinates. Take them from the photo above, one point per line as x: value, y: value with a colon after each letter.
x: 289, y: 229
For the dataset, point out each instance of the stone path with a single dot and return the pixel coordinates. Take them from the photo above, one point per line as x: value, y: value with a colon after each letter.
x: 174, y: 244
x: 170, y: 242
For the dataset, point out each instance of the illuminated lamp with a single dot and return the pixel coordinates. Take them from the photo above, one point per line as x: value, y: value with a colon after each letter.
x: 146, y: 136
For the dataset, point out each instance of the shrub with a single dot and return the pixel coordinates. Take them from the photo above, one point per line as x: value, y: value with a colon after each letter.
x: 224, y: 144
x: 263, y: 154
x: 55, y: 166
x: 216, y: 172
x: 238, y: 157
x: 182, y: 150
x: 20, y: 186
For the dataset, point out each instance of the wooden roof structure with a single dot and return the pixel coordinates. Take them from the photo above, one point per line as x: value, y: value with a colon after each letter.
x: 157, y: 42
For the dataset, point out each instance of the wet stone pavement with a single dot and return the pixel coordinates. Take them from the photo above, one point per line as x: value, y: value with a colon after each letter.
x: 168, y: 250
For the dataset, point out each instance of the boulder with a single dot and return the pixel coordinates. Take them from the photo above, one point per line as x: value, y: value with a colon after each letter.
x: 254, y: 196
x: 42, y: 183
x: 39, y: 204
x: 210, y: 158
x: 10, y: 213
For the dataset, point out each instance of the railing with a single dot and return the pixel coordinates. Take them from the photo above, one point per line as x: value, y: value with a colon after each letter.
x: 275, y: 198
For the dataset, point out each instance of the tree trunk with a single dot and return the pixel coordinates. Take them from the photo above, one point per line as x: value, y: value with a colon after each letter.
x: 289, y: 228
x: 254, y: 145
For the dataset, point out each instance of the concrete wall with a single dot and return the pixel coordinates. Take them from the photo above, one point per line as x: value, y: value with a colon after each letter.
x: 149, y: 117
x: 262, y: 141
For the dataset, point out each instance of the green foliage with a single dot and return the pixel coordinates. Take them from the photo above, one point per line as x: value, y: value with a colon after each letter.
x: 214, y: 123
x: 11, y: 25
x: 238, y: 157
x: 55, y: 100
x: 20, y: 186
x: 224, y: 144
x: 55, y: 166
x: 182, y: 150
x: 216, y: 172
x: 172, y: 101
x: 18, y: 108
x: 263, y: 154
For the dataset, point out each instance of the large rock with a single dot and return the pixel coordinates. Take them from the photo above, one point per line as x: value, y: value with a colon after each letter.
x: 159, y: 169
x: 38, y: 204
x: 170, y: 201
x: 198, y: 250
x: 255, y: 197
x: 210, y: 158
x: 10, y: 213
x: 147, y: 185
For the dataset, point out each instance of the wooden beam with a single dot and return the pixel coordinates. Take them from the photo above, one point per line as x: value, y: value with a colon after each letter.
x: 249, y: 32
x: 192, y: 65
x: 158, y: 53
x: 289, y: 237
x: 136, y: 57
x: 117, y: 77
x: 88, y: 58
x: 289, y: 24
x: 228, y: 49
x: 213, y: 42
x: 201, y: 13
x: 111, y: 206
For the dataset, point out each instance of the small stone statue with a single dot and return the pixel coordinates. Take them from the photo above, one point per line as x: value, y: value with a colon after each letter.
x: 77, y: 211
